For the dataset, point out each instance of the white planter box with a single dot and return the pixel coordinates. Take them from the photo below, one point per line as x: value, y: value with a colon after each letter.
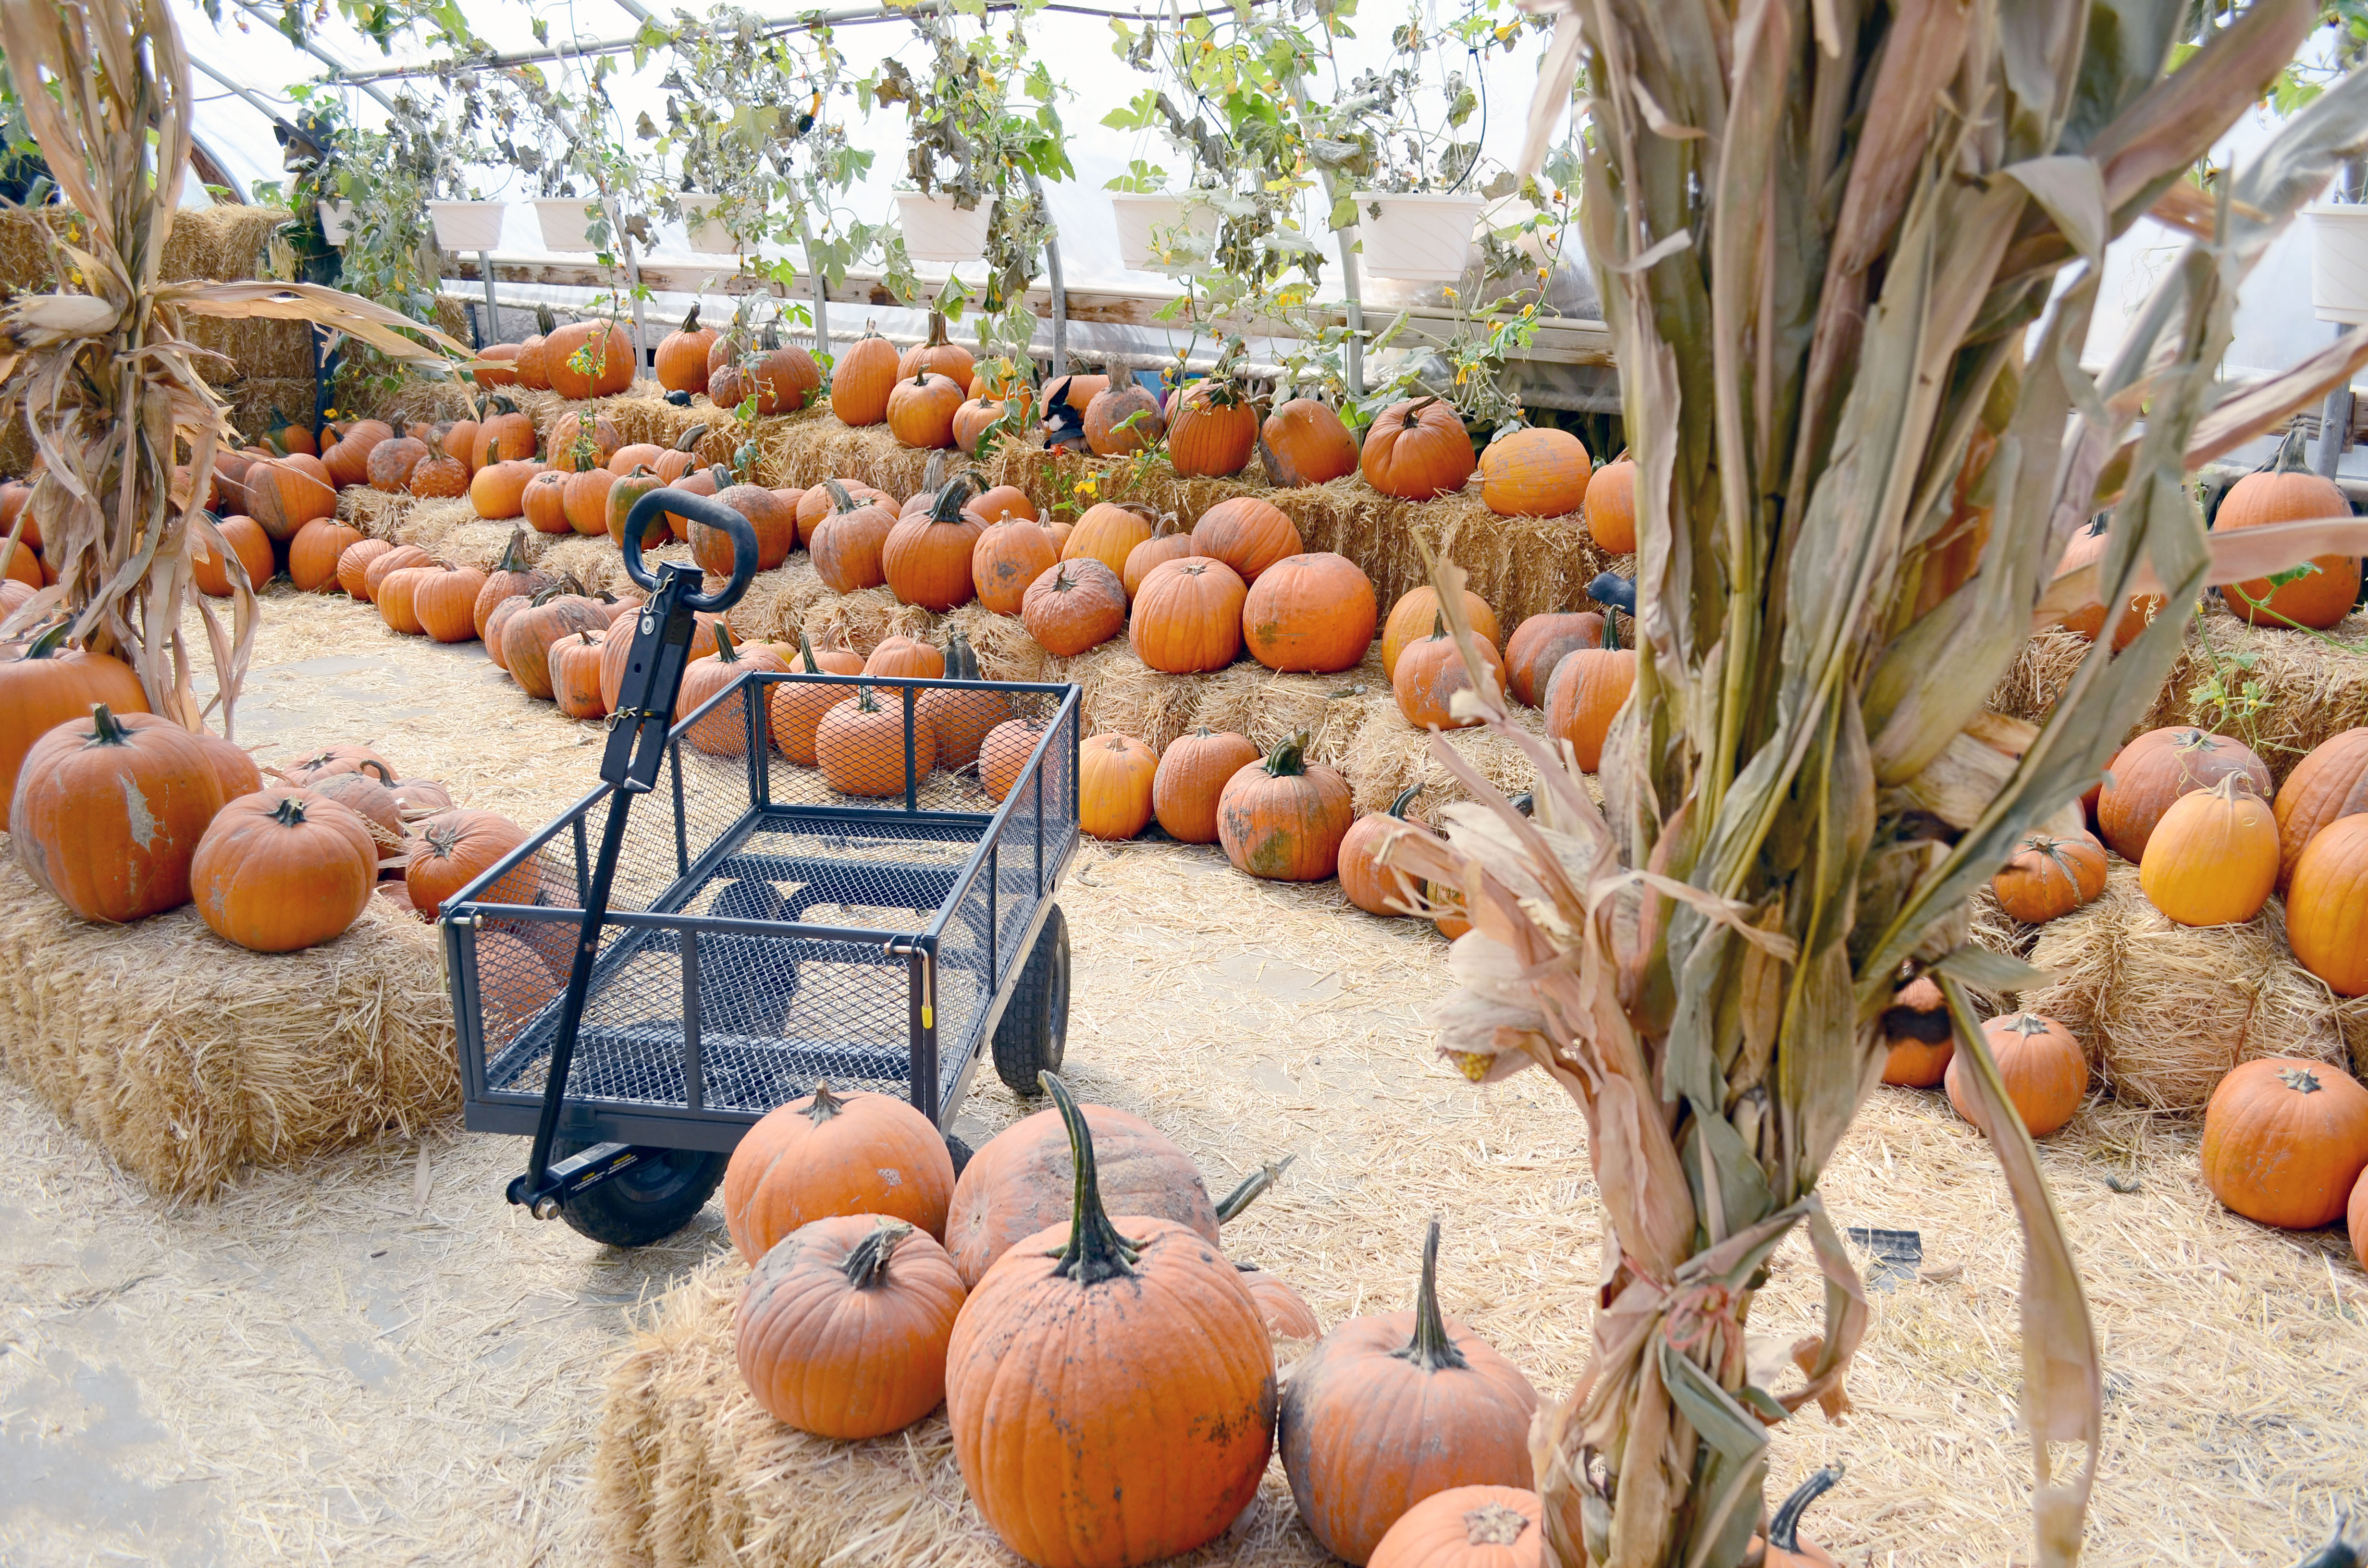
x: 1143, y: 219
x: 1424, y: 236
x: 707, y: 234
x: 567, y: 221
x: 336, y: 221
x: 2338, y: 260
x: 936, y: 230
x: 468, y: 226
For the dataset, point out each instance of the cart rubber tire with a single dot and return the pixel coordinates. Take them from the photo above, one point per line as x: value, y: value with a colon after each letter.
x: 1034, y: 1033
x: 647, y: 1201
x: 959, y: 1151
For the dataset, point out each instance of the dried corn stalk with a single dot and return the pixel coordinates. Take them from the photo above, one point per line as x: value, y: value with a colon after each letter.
x: 1829, y: 237
x: 102, y: 371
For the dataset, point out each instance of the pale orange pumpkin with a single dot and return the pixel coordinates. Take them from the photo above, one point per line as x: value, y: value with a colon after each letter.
x: 2043, y: 1067
x: 2212, y: 858
x: 1612, y: 507
x: 1114, y: 775
x: 1535, y: 473
x: 2284, y: 1141
x: 1303, y: 442
x: 2287, y: 493
x: 1411, y: 618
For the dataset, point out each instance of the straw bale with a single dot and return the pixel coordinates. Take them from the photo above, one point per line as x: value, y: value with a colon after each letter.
x: 691, y: 1471
x: 187, y: 1058
x: 423, y: 402
x: 262, y: 348
x: 257, y: 401
x: 224, y: 241
x: 2166, y: 1010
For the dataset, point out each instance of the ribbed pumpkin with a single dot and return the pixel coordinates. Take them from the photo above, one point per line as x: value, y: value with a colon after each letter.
x: 2159, y: 767
x: 1417, y: 450
x: 457, y: 848
x: 1535, y: 473
x: 1003, y: 501
x: 282, y: 869
x: 681, y: 359
x: 1193, y: 772
x: 936, y: 353
x: 972, y: 421
x: 961, y: 720
x: 1313, y: 613
x: 2050, y: 877
x: 861, y: 381
x: 1539, y: 644
x: 698, y: 482
x: 2327, y: 906
x: 575, y: 675
x: 589, y: 359
x: 1389, y: 1409
x: 1007, y: 558
x: 1114, y: 774
x: 1302, y: 442
x: 2284, y: 1141
x: 1164, y: 1360
x: 353, y: 562
x: 1612, y: 507
x: 1074, y: 606
x: 1187, y: 617
x: 1167, y: 543
x: 1919, y: 1037
x: 1372, y: 887
x: 899, y: 657
x: 822, y: 500
x: 439, y: 478
x: 617, y: 653
x: 401, y: 558
x: 624, y: 494
x: 584, y: 499
x: 244, y: 538
x: 725, y: 733
x: 797, y: 707
x: 2086, y: 546
x: 49, y: 685
x: 774, y: 523
x: 926, y: 558
x: 2212, y: 858
x: 1109, y: 532
x: 395, y: 602
x: 1466, y: 1527
x: 2331, y: 782
x: 1432, y: 671
x: 528, y: 634
x: 1586, y: 694
x: 109, y: 810
x: 282, y: 497
x: 498, y: 492
x: 921, y: 411
x: 445, y: 603
x: 826, y: 1155
x: 1123, y: 418
x: 1212, y: 429
x: 842, y: 1330
x: 578, y: 443
x: 505, y: 435
x: 543, y: 501
x: 860, y: 744
x: 1003, y: 756
x: 1411, y: 619
x: 348, y: 458
x: 2044, y: 1069
x: 784, y: 375
x: 2287, y: 493
x: 633, y: 454
x: 1283, y: 819
x: 1247, y: 534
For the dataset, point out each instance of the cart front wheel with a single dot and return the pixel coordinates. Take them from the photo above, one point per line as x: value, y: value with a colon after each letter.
x: 648, y: 1200
x: 1034, y: 1030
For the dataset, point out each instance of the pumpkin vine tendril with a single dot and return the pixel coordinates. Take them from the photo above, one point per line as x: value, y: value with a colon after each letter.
x: 1431, y: 1348
x: 1095, y: 1251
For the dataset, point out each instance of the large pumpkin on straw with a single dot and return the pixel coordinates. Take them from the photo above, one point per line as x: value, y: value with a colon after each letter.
x: 2287, y: 493
x: 283, y: 869
x: 1417, y: 450
x: 1282, y: 820
x: 2284, y: 1141
x: 50, y: 684
x: 109, y: 810
x: 2330, y: 783
x: 1152, y: 1440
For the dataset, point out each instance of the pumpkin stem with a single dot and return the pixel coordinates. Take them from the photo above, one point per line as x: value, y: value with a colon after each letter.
x: 2301, y: 1080
x: 511, y: 560
x: 1438, y: 623
x: 107, y: 730
x: 289, y: 812
x: 1405, y: 798
x: 1785, y: 1530
x: 689, y: 440
x: 1430, y: 1348
x: 1493, y: 1524
x: 1250, y: 1191
x: 691, y: 320
x: 2291, y: 453
x: 936, y: 329
x: 867, y: 1261
x: 1290, y: 760
x: 805, y: 652
x: 725, y: 654
x: 544, y: 322
x: 863, y: 703
x: 1096, y: 1251
x: 948, y: 507
x: 826, y: 1106
x: 46, y: 644
x: 840, y: 501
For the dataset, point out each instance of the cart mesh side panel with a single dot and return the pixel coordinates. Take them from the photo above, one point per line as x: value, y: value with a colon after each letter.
x: 835, y: 878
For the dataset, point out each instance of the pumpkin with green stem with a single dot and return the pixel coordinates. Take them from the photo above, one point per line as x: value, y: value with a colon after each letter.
x: 1146, y: 1321
x: 109, y: 810
x: 859, y: 746
x: 2284, y: 1141
x: 798, y: 706
x: 926, y: 558
x: 1283, y: 819
x: 724, y: 732
x: 961, y: 720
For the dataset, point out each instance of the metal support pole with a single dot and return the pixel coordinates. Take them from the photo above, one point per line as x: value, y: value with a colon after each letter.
x: 2334, y: 427
x: 634, y: 279
x: 1060, y: 300
x: 493, y: 332
x: 821, y: 313
x: 1352, y: 361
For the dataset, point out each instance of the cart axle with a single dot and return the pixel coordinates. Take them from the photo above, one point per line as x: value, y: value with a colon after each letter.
x: 576, y: 1175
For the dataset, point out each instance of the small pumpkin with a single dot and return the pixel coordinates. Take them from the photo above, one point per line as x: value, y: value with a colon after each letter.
x: 1429, y: 673
x: 1074, y: 606
x: 828, y: 1154
x: 1187, y: 617
x: 937, y: 354
x: 2328, y: 783
x: 589, y: 359
x: 1538, y: 471
x: 1003, y: 501
x: 2155, y: 769
x: 624, y: 494
x: 1417, y: 450
x: 842, y: 1330
x: 1411, y: 619
x: 2326, y: 907
x: 1372, y: 887
x: 439, y: 478
x: 900, y: 657
x: 1313, y: 613
x: 1612, y: 507
x: 859, y: 746
x: 1283, y: 819
x: 2287, y: 493
x: 681, y: 358
x: 824, y: 500
x: 1303, y: 442
x: 1122, y: 419
x: 543, y: 503
x: 861, y: 381
x: 677, y: 460
x: 1192, y: 773
x: 109, y: 810
x: 2212, y: 858
x: 961, y: 720
x: 391, y: 461
x: 575, y: 675
x: 1919, y: 1035
x: 1109, y: 532
x: 1003, y: 756
x: 583, y: 498
x: 513, y: 576
x: 1114, y: 775
x: 1539, y: 644
x: 342, y: 759
x: 457, y: 848
x: 505, y: 435
x: 1212, y: 429
x: 283, y: 869
x: 926, y: 558
x: 498, y: 492
x: 348, y: 458
x: 797, y: 707
x: 353, y: 562
x: 2050, y: 876
x: 445, y: 603
x: 1167, y: 543
x: 1389, y: 1409
x: 921, y: 411
x: 1588, y: 688
x: 1466, y: 1527
x: 401, y: 558
x: 1247, y: 534
x: 579, y: 443
x: 2043, y: 1067
x: 2285, y: 1141
x: 1008, y: 558
x: 617, y: 653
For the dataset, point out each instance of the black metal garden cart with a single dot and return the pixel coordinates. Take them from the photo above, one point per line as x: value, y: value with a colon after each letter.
x: 714, y: 929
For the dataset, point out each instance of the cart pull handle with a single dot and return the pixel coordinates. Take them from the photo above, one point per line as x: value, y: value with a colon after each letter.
x: 651, y: 508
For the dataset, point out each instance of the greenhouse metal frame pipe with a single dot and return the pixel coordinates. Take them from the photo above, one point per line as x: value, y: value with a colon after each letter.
x: 338, y: 70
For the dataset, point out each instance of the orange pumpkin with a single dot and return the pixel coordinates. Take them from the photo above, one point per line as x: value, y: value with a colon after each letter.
x: 616, y: 653
x: 2284, y: 1141
x: 1166, y: 544
x: 860, y: 744
x: 2330, y: 782
x: 847, y: 543
x: 391, y: 461
x: 498, y: 492
x: 1074, y: 606
x: 505, y: 435
x: 513, y: 576
x: 1114, y: 775
x: 1153, y: 1321
x: 1193, y: 772
x: 445, y: 603
x: 2285, y: 493
x: 936, y: 355
x: 543, y: 501
x: 575, y: 675
x: 921, y: 411
x: 458, y: 443
x: 1123, y: 418
x: 861, y: 381
x: 1212, y: 429
x: 1535, y: 473
x: 283, y: 498
x: 842, y: 1330
x: 2043, y: 1067
x: 244, y: 538
x: 2212, y: 858
x: 784, y: 376
x: 337, y: 759
x: 972, y: 421
x: 394, y: 599
x: 354, y: 563
x: 1539, y: 644
x: 2050, y: 876
x: 108, y: 810
x: 2355, y: 1220
x: 1412, y: 617
x: 1187, y: 616
x: 700, y: 481
x: 348, y: 459
x: 1431, y: 673
x: 1372, y: 887
x: 2327, y: 906
x: 2088, y: 621
x: 1417, y: 450
x: 313, y: 555
x: 456, y: 847
x: 1004, y: 755
x: 1247, y: 534
x: 820, y: 501
x: 1612, y: 507
x: 282, y: 869
x: 617, y: 507
x: 1588, y: 688
x: 439, y: 478
x: 904, y: 658
x: 578, y: 443
x: 926, y: 558
x: 679, y: 458
x: 797, y: 707
x: 827, y: 1154
x: 1109, y: 532
x: 401, y: 558
x: 589, y: 359
x: 682, y: 355
x: 724, y: 732
x: 1390, y: 1409
x: 1285, y: 1313
x: 584, y: 500
x: 1303, y: 442
x: 961, y: 720
x: 1312, y: 613
x: 1003, y: 503
x: 775, y: 525
x: 1920, y: 1038
x: 528, y: 634
x: 1283, y: 819
x: 1466, y: 1527
x: 2155, y: 769
x: 1007, y: 558
x: 495, y: 365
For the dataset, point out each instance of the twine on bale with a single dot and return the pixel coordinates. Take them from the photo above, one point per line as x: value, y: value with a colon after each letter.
x: 186, y: 1058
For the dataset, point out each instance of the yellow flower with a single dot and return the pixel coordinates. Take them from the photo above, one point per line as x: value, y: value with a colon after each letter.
x: 1450, y: 293
x: 1545, y: 272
